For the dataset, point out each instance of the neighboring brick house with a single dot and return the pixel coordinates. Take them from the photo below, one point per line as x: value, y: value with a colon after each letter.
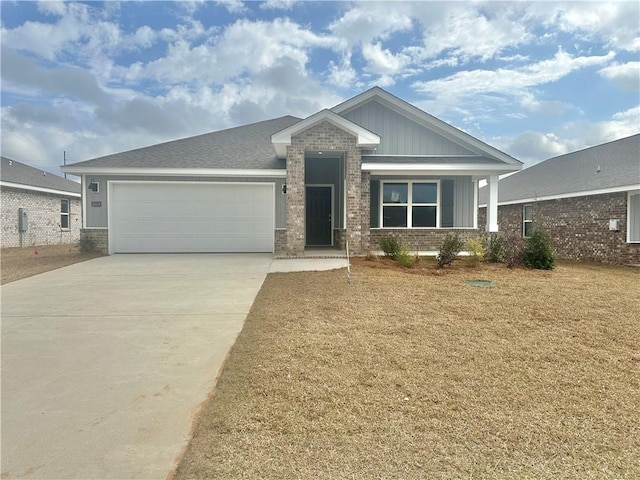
x: 50, y: 206
x: 374, y: 165
x: 587, y: 201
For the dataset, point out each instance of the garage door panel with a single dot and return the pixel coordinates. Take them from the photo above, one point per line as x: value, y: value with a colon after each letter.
x: 172, y: 217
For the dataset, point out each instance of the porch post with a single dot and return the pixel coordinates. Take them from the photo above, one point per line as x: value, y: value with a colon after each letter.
x: 492, y: 204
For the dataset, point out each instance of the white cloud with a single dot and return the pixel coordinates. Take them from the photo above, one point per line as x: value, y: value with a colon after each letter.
x: 382, y: 61
x: 626, y: 75
x: 343, y: 75
x: 233, y: 6
x: 370, y: 21
x: 505, y: 82
x: 277, y: 4
x: 467, y: 32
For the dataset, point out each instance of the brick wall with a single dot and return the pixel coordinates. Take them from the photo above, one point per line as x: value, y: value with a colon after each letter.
x: 100, y: 237
x: 322, y: 137
x: 280, y: 247
x: 578, y: 227
x: 421, y: 240
x: 43, y: 210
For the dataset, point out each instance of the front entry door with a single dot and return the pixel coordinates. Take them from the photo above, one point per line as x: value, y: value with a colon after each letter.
x: 318, y: 216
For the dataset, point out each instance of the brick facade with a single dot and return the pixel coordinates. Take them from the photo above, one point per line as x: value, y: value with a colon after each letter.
x: 43, y: 210
x: 578, y: 227
x: 323, y: 137
x: 100, y: 237
x: 421, y: 240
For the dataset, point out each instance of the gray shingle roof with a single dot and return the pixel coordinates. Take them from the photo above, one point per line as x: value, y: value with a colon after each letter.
x: 245, y: 147
x: 618, y: 163
x: 431, y: 160
x: 20, y: 173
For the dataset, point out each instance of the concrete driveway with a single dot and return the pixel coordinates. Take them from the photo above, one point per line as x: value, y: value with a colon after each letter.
x: 105, y: 363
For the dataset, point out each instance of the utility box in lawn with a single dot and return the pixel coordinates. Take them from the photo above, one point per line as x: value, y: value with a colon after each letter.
x: 23, y: 219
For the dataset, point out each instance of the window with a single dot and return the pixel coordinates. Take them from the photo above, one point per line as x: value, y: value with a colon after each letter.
x: 410, y: 204
x: 527, y: 220
x: 64, y: 214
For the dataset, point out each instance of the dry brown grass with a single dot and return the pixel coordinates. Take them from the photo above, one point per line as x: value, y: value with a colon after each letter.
x: 418, y: 376
x: 17, y: 263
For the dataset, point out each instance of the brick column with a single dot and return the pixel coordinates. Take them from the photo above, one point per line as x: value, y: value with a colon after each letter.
x: 295, y: 199
x: 353, y: 200
x: 365, y: 205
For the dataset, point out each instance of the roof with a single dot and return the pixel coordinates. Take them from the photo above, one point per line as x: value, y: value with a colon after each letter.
x: 244, y: 147
x: 20, y: 175
x: 613, y: 165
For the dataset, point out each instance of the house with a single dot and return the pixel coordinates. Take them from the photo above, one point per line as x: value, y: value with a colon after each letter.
x: 587, y: 201
x: 371, y: 166
x: 38, y: 207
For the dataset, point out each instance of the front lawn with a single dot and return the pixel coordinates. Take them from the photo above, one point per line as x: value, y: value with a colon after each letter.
x: 417, y: 375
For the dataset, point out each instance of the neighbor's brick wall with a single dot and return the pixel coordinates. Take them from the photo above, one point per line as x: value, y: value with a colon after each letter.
x: 100, y: 236
x: 323, y: 136
x: 578, y: 227
x: 421, y: 240
x: 43, y: 210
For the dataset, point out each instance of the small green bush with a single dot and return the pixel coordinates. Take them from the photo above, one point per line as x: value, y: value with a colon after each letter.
x: 495, y: 248
x: 537, y: 251
x: 390, y: 246
x: 406, y: 258
x: 476, y: 249
x: 87, y: 244
x: 449, y: 250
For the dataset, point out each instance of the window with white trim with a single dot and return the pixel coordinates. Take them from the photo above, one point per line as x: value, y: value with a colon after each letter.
x: 410, y: 204
x: 527, y: 220
x: 64, y: 214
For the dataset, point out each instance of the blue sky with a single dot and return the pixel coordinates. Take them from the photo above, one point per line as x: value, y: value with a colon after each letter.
x: 534, y: 79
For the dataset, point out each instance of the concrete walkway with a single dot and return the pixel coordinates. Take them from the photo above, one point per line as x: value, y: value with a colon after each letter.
x: 106, y: 363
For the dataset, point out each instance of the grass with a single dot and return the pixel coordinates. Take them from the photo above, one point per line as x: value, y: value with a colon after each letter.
x: 415, y: 375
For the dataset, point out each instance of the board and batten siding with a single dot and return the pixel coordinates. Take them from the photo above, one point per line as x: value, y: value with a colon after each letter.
x: 463, y: 198
x: 400, y: 135
x: 96, y: 216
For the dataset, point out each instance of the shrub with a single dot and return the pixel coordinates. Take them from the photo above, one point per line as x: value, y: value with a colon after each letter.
x: 390, y: 246
x: 406, y: 258
x: 449, y: 250
x: 513, y: 251
x: 87, y: 244
x: 537, y: 251
x: 476, y: 250
x: 495, y: 248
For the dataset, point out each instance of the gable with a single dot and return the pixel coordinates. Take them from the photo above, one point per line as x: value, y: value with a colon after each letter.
x: 400, y: 135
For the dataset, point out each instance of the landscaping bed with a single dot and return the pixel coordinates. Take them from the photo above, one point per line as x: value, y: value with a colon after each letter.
x: 17, y: 263
x: 411, y: 373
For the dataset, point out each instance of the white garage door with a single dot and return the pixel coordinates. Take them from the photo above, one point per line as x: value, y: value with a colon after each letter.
x: 191, y: 217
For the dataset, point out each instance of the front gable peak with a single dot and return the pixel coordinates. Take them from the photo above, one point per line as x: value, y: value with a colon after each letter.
x: 364, y: 138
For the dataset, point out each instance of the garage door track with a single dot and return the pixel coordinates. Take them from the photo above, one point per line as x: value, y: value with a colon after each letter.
x: 105, y: 363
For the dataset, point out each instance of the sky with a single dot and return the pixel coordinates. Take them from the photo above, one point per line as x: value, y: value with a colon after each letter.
x: 533, y: 79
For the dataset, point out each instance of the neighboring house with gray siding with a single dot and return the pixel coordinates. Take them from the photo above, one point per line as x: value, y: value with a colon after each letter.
x: 50, y: 206
x: 588, y: 202
x: 371, y: 166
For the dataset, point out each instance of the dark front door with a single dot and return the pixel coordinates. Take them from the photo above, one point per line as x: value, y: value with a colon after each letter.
x: 318, y: 216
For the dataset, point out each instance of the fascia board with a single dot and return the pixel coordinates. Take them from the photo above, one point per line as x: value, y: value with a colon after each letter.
x: 196, y: 172
x: 584, y: 193
x: 442, y: 169
x: 33, y: 188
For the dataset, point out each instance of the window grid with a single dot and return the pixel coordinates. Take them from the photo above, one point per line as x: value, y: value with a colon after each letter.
x: 409, y: 204
x: 527, y: 220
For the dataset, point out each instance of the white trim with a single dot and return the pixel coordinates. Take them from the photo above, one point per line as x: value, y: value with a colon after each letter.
x: 325, y: 185
x: 410, y: 203
x: 524, y: 219
x: 629, y: 195
x: 180, y: 172
x: 475, y: 203
x: 426, y: 120
x: 584, y: 193
x: 22, y: 186
x: 83, y: 181
x: 111, y: 183
x: 477, y: 169
x: 364, y: 137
